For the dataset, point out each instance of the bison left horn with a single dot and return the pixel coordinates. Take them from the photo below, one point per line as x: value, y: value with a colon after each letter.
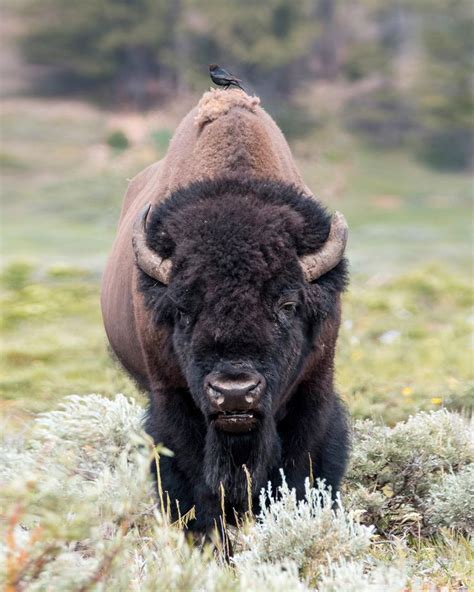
x: 317, y: 264
x: 147, y: 259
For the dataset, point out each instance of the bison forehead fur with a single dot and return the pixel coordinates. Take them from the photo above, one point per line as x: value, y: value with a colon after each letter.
x: 236, y: 348
x: 259, y: 225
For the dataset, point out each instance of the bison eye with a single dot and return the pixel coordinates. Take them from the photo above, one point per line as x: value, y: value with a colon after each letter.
x: 183, y: 317
x: 289, y: 308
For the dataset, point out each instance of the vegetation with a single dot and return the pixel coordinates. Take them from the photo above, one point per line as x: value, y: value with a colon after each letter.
x: 404, y: 342
x: 90, y: 455
x: 445, y: 98
x: 118, y: 140
x: 54, y: 342
x: 77, y: 510
x: 405, y: 67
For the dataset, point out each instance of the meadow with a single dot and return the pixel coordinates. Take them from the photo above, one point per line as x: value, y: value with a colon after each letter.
x: 405, y: 341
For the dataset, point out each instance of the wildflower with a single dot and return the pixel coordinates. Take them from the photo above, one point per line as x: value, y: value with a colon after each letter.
x: 357, y: 355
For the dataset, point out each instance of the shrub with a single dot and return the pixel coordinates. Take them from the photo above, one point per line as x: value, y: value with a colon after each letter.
x: 395, y: 471
x: 79, y: 510
x: 118, y: 140
x: 353, y: 576
x: 451, y: 501
x: 308, y: 532
x: 450, y: 148
x: 270, y: 577
x: 365, y: 59
x: 384, y: 117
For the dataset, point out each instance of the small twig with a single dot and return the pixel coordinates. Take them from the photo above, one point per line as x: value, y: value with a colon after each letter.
x: 103, y: 570
x: 12, y: 568
x: 156, y: 455
x: 248, y: 476
x: 311, y: 474
x: 37, y: 563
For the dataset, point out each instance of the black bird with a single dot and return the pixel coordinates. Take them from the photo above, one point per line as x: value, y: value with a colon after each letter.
x: 223, y: 78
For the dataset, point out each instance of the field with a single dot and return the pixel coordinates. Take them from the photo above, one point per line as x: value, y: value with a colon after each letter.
x: 405, y: 343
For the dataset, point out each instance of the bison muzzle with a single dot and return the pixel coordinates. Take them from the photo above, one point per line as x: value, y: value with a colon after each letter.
x: 234, y: 393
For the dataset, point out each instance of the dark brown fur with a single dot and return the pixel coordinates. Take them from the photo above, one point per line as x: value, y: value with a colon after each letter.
x: 235, y: 244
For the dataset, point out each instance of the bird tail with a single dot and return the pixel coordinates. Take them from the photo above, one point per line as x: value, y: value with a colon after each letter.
x: 239, y: 85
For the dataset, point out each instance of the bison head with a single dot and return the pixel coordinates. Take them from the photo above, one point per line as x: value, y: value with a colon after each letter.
x: 245, y: 275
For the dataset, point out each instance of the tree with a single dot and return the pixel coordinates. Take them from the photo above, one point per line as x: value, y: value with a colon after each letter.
x: 445, y: 94
x: 98, y: 43
x: 264, y: 41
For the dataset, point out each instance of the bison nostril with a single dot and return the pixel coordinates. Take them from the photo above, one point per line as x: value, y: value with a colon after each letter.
x: 216, y: 396
x: 253, y: 392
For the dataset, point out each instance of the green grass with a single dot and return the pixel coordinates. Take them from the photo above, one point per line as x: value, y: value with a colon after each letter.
x: 402, y: 215
x: 53, y: 342
x: 404, y: 343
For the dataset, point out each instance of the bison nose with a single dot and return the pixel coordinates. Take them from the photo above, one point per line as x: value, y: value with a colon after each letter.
x: 241, y: 391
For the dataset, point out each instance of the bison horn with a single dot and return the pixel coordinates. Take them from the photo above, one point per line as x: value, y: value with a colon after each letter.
x: 148, y: 260
x: 317, y: 264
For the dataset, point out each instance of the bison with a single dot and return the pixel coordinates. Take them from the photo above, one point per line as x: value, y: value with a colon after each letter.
x: 221, y: 298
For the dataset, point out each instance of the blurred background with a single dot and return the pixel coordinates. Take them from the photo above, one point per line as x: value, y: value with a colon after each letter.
x: 376, y: 100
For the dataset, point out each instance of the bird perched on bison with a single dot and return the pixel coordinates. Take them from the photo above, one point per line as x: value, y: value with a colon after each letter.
x: 222, y: 298
x: 221, y: 77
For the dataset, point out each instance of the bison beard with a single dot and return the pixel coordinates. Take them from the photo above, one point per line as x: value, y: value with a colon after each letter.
x: 226, y: 455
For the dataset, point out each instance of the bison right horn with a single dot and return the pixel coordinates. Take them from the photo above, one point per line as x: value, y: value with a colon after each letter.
x: 148, y: 260
x: 317, y: 264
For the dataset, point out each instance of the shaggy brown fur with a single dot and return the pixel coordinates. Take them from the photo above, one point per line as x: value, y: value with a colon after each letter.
x: 233, y: 214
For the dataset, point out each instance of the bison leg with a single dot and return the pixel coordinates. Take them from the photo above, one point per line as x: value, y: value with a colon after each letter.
x: 321, y: 455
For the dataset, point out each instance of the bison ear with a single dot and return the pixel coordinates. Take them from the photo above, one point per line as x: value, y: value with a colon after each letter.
x: 313, y: 230
x: 149, y: 259
x: 159, y: 239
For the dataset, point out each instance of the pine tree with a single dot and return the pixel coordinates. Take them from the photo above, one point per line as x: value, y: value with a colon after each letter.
x: 445, y: 96
x: 116, y: 44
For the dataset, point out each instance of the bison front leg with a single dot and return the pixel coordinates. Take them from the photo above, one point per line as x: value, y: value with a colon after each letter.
x: 319, y: 453
x: 191, y: 501
x: 210, y: 524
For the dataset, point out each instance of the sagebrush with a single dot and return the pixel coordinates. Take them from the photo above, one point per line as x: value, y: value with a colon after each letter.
x: 79, y: 512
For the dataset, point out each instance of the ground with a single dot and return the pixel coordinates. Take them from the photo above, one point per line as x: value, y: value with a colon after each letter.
x: 404, y: 344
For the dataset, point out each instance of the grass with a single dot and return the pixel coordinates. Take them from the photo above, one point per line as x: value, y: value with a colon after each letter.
x: 53, y: 341
x: 404, y: 343
x: 402, y: 215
